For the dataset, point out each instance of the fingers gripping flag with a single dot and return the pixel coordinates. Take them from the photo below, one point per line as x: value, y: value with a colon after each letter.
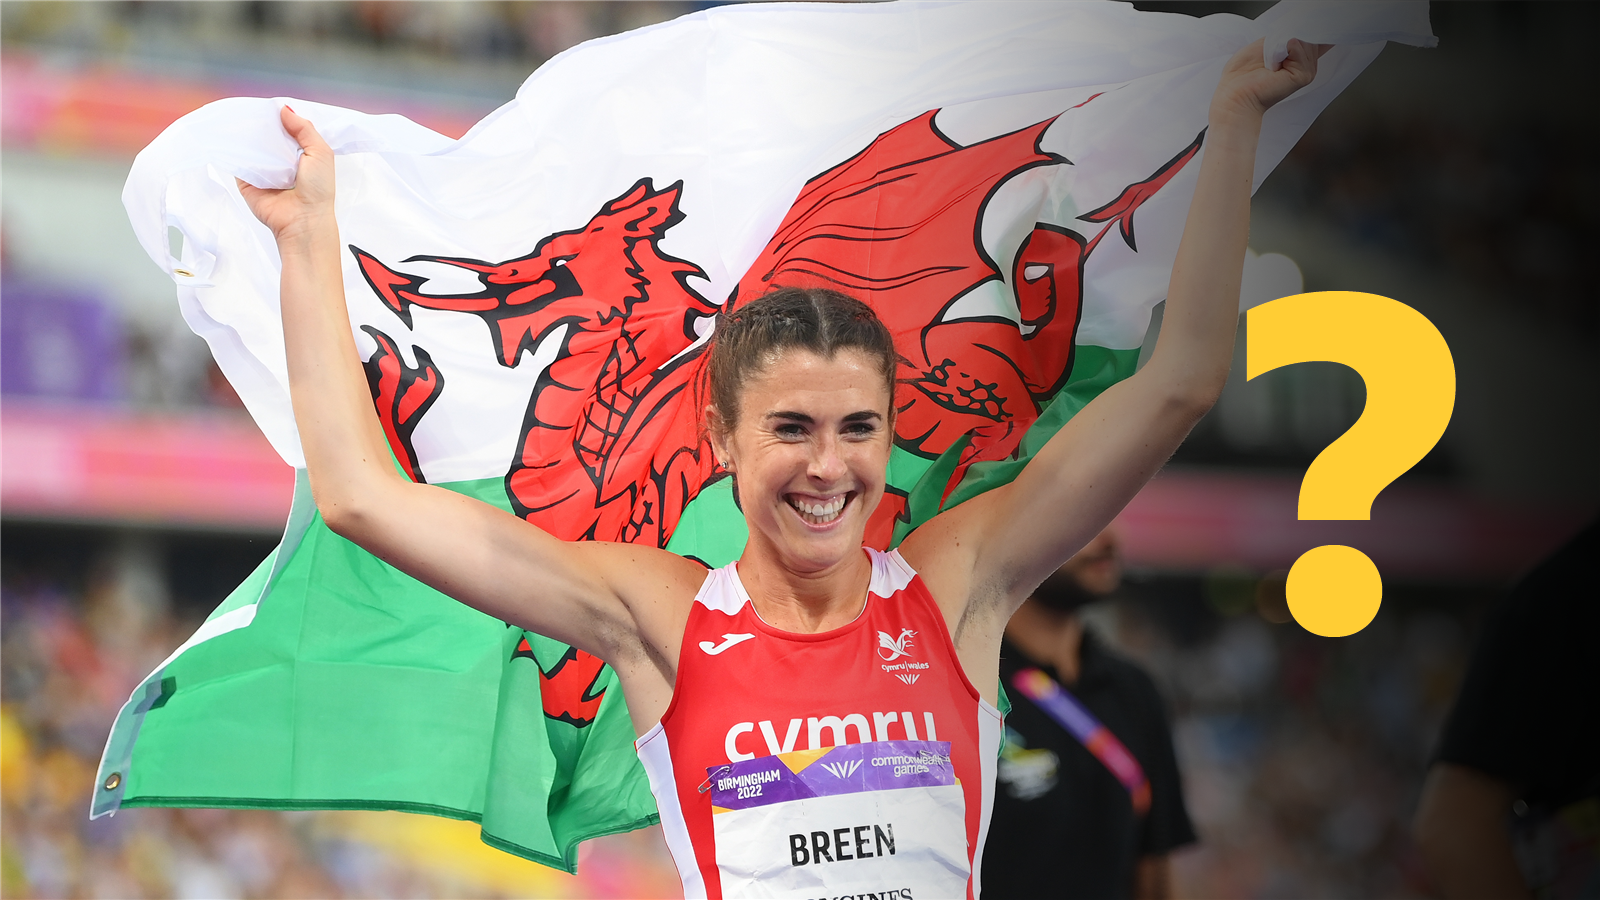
x: 1006, y: 184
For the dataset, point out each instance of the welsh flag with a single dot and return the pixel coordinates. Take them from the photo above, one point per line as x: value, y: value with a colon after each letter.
x: 1005, y: 183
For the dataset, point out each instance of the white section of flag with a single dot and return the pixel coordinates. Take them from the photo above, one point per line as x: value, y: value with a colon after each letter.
x: 744, y: 104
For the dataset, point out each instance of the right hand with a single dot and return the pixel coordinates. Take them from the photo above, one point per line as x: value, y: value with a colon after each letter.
x: 296, y: 211
x: 1247, y: 83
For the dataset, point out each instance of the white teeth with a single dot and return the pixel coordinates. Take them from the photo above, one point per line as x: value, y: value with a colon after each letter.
x: 818, y: 513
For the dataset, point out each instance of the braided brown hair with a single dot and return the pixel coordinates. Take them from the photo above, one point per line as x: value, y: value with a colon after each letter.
x: 822, y: 321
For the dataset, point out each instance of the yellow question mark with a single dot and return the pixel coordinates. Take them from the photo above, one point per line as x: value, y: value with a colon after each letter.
x: 1335, y: 590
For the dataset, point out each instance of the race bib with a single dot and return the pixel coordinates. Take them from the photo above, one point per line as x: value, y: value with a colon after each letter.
x: 884, y: 819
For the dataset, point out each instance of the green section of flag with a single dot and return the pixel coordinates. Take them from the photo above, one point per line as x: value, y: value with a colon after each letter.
x: 357, y: 687
x: 711, y: 528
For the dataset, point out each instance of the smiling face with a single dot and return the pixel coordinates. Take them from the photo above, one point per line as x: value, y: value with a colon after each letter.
x: 810, y: 449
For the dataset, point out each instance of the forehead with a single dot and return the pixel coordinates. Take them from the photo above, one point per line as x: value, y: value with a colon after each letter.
x: 802, y: 381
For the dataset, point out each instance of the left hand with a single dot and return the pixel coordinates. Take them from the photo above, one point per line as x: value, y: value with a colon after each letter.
x: 1247, y: 85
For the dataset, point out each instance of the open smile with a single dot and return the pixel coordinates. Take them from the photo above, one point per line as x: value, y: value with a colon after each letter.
x: 819, y: 511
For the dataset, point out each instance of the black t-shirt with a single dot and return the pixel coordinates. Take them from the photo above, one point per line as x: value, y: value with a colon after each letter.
x: 1529, y: 708
x: 1063, y: 825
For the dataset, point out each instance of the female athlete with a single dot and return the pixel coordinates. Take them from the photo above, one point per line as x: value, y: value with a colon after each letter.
x: 816, y: 718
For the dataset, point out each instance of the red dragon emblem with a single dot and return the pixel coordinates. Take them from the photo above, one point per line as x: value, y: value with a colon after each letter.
x: 610, y: 446
x: 568, y: 689
x: 898, y: 226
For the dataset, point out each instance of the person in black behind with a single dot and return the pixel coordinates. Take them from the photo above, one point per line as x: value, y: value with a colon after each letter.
x: 1511, y: 806
x: 1065, y: 824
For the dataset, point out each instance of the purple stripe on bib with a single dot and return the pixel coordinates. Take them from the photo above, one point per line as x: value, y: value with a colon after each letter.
x: 847, y: 769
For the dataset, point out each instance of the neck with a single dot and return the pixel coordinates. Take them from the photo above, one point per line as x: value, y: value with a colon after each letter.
x: 1048, y: 636
x: 791, y: 599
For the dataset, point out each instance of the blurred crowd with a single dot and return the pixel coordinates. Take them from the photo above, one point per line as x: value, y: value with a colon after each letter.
x: 520, y: 31
x: 66, y: 342
x: 1302, y: 756
x: 1506, y: 205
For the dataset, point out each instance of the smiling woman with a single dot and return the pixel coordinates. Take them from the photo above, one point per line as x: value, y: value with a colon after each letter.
x: 801, y: 383
x: 886, y: 662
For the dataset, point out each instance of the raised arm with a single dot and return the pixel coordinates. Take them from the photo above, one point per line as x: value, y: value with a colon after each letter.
x: 614, y: 600
x: 984, y: 557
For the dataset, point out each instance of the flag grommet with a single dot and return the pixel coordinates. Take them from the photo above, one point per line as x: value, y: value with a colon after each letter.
x: 113, y: 781
x: 184, y: 272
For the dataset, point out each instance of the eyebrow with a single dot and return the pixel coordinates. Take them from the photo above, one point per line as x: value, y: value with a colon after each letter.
x: 862, y: 416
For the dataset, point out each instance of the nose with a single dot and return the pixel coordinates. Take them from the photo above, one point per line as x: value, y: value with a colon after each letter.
x: 826, y: 465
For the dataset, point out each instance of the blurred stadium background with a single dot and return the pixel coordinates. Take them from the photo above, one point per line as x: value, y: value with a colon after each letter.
x: 134, y: 491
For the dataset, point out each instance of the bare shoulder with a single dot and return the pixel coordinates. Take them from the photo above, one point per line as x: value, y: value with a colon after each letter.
x: 947, y: 551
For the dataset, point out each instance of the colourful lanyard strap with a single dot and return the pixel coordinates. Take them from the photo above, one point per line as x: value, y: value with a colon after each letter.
x: 1081, y: 724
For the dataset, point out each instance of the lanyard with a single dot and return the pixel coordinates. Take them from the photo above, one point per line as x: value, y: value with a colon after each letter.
x: 1070, y: 714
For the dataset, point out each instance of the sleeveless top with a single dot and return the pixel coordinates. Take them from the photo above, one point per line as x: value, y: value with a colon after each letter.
x: 858, y: 761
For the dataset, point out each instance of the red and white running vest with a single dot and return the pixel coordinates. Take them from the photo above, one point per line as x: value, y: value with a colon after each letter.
x: 855, y: 762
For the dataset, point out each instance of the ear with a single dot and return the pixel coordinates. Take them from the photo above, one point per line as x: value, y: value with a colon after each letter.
x: 717, y: 432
